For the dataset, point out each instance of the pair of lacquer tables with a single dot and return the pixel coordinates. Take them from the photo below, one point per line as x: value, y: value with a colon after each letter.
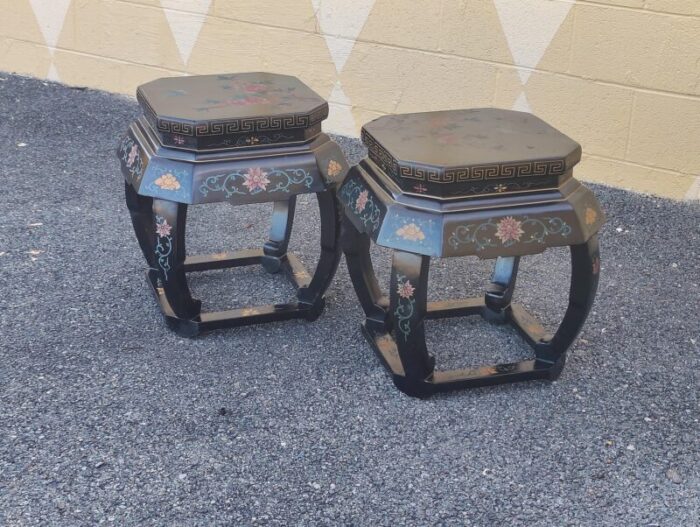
x: 492, y: 183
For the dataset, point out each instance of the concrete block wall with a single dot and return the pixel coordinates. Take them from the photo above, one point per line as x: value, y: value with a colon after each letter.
x: 620, y: 76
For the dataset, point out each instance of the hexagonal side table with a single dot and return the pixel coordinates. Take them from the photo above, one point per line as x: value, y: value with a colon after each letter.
x: 491, y: 183
x: 241, y: 138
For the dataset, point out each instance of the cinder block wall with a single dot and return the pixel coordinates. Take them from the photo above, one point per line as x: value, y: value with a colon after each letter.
x: 620, y: 76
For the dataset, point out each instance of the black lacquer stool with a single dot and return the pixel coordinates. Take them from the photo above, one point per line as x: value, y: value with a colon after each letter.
x: 241, y: 138
x: 485, y: 182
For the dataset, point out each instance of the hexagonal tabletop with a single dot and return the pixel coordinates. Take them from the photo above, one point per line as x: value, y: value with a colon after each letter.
x: 230, y: 111
x: 469, y: 152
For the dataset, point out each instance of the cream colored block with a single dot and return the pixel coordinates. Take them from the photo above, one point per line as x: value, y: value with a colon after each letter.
x: 152, y: 3
x: 596, y: 115
x: 17, y: 21
x: 231, y: 46
x: 364, y: 116
x: 471, y: 28
x: 634, y: 177
x: 681, y: 7
x: 665, y: 132
x: 25, y: 58
x: 296, y: 14
x: 637, y: 48
x: 623, y: 3
x: 390, y: 22
x: 394, y: 80
x: 78, y: 69
x: 121, y: 30
x: 557, y: 57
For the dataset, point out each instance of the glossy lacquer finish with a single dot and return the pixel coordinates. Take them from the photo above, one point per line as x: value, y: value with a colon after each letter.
x: 496, y: 214
x: 242, y: 138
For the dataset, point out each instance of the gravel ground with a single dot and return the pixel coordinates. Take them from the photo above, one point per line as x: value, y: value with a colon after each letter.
x: 107, y: 417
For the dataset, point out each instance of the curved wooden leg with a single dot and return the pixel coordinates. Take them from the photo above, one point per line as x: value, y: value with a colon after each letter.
x: 375, y: 304
x: 169, y: 220
x: 275, y: 249
x: 312, y: 295
x: 500, y: 292
x: 408, y: 308
x: 585, y: 268
x: 141, y: 211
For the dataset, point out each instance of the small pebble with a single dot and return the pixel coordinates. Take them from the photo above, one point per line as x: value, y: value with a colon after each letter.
x: 674, y: 476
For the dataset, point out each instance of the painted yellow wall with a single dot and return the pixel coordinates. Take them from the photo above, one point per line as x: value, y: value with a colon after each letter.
x: 620, y: 76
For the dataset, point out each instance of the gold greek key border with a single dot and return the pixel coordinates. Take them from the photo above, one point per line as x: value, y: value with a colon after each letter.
x: 382, y: 157
x: 232, y: 126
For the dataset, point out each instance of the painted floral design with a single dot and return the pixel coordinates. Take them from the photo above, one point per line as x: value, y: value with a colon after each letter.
x: 255, y: 87
x: 164, y: 246
x: 256, y: 180
x: 163, y: 228
x: 361, y: 201
x: 411, y: 232
x: 405, y: 289
x: 591, y: 216
x: 133, y: 154
x: 421, y: 189
x: 167, y: 182
x: 509, y: 230
x: 130, y: 154
x: 406, y: 304
x: 179, y: 140
x: 334, y: 168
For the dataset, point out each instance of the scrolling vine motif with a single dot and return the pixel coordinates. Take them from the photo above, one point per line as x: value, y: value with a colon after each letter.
x: 509, y: 231
x: 358, y: 199
x: 406, y: 305
x: 130, y: 154
x: 255, y: 180
x: 164, y: 245
x: 252, y: 140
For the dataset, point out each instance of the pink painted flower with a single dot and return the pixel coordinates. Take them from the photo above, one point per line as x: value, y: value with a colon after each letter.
x: 179, y: 140
x: 256, y: 180
x: 255, y: 87
x: 361, y: 201
x: 133, y: 153
x: 163, y: 229
x: 405, y: 290
x: 509, y: 229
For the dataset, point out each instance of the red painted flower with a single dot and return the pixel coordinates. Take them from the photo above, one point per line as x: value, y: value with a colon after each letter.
x: 163, y: 229
x: 405, y: 290
x: 361, y: 201
x: 133, y: 153
x: 509, y: 230
x: 256, y: 180
x: 255, y: 87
